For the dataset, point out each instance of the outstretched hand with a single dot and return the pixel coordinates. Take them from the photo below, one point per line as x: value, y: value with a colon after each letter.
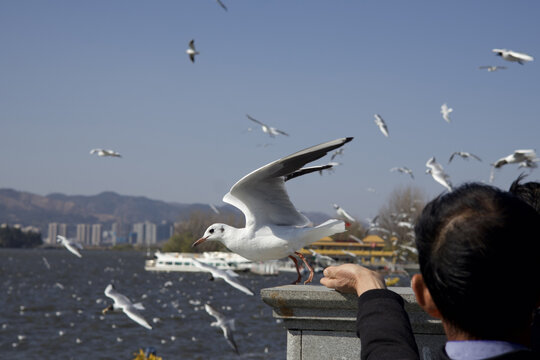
x: 352, y: 278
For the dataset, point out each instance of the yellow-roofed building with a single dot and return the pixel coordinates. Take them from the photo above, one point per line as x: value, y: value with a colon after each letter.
x: 370, y: 251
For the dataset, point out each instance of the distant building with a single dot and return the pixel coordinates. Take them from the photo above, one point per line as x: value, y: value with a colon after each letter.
x: 84, y: 234
x: 164, y: 231
x: 96, y: 234
x: 54, y: 230
x: 145, y: 233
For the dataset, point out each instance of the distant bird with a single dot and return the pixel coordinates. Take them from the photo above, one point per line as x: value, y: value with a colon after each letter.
x: 445, y: 111
x: 122, y: 303
x: 355, y: 238
x: 491, y: 68
x: 336, y: 153
x: 105, y: 152
x: 228, y: 276
x: 405, y: 224
x: 353, y: 255
x: 71, y: 245
x: 404, y: 170
x: 322, y: 259
x: 464, y: 155
x: 214, y: 208
x: 191, y: 51
x: 222, y: 5
x: 274, y: 228
x: 517, y: 156
x: 272, y: 131
x: 381, y: 124
x: 515, y: 56
x: 344, y: 215
x: 226, y: 325
x: 438, y: 174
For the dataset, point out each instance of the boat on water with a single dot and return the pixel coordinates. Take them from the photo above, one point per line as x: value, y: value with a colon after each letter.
x: 174, y: 261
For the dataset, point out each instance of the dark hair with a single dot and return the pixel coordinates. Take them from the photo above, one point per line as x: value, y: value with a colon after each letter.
x: 479, y: 254
x: 528, y: 192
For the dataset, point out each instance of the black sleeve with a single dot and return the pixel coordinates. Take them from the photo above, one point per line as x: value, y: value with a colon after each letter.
x: 383, y: 327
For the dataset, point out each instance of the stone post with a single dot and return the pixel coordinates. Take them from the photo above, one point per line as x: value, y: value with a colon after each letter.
x: 321, y: 323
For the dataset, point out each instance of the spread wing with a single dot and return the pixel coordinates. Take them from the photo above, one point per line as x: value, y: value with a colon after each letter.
x: 134, y: 315
x: 255, y: 120
x: 261, y: 195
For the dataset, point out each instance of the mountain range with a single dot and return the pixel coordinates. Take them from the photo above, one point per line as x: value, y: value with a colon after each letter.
x: 19, y: 207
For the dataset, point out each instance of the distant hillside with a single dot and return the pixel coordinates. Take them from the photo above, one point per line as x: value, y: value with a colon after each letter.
x: 17, y: 207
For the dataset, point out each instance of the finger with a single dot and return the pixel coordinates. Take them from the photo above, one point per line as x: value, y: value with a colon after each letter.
x: 329, y: 271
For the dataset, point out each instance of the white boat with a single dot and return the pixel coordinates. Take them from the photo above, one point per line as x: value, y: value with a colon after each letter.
x: 174, y: 261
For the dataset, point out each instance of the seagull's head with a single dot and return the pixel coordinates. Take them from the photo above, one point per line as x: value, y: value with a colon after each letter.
x: 215, y: 232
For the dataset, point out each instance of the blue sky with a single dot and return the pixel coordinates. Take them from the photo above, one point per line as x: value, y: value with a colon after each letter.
x: 77, y: 75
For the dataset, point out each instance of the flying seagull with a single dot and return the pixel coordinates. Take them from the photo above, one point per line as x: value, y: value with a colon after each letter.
x: 272, y: 131
x: 381, y: 124
x: 491, y: 68
x: 227, y: 325
x: 336, y: 153
x: 404, y: 170
x: 191, y: 51
x: 515, y: 56
x: 464, y: 155
x: 71, y: 245
x: 322, y: 259
x: 438, y: 174
x: 122, y: 303
x: 228, y: 276
x: 445, y: 111
x: 518, y: 156
x: 105, y: 152
x: 274, y: 228
x: 222, y: 5
x: 344, y: 215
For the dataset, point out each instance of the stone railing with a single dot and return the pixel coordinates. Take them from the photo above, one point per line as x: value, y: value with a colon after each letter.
x: 321, y: 323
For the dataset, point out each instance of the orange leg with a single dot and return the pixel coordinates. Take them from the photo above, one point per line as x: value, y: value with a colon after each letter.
x: 297, y: 270
x: 311, y: 272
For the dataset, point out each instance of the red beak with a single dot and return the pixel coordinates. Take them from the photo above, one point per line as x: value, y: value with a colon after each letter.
x: 200, y: 241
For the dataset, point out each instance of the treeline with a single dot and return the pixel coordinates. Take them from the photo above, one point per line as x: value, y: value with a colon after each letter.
x: 11, y: 237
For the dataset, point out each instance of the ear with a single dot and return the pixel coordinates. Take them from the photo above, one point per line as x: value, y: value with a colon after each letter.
x: 423, y: 296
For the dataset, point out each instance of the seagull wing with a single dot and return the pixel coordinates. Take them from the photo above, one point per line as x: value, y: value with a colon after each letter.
x: 381, y: 124
x: 234, y: 283
x: 261, y: 195
x: 120, y: 300
x: 476, y: 157
x: 520, y: 56
x: 134, y: 315
x: 308, y: 170
x: 452, y: 156
x: 72, y: 249
x: 192, y: 44
x: 218, y: 273
x: 222, y: 5
x: 255, y: 120
x: 280, y: 132
x: 227, y: 332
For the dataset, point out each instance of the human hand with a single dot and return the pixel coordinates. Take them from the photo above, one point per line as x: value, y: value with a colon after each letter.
x: 352, y: 278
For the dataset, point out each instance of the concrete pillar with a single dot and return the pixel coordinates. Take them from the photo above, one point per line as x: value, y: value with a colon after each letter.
x: 321, y: 323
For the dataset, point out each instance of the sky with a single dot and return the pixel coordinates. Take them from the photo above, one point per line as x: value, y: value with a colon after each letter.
x: 77, y: 75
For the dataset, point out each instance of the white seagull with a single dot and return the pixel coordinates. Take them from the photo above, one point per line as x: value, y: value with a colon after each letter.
x: 491, y: 68
x: 336, y: 153
x: 191, y: 51
x: 272, y: 131
x: 445, y: 111
x: 404, y: 170
x: 322, y: 259
x: 228, y: 276
x: 517, y: 156
x: 515, y: 56
x: 122, y: 303
x: 437, y: 172
x: 227, y: 325
x: 274, y: 228
x: 464, y: 155
x: 381, y: 124
x: 344, y: 215
x: 105, y: 152
x: 71, y: 245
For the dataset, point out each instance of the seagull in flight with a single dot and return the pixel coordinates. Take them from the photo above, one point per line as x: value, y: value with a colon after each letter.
x: 274, y: 228
x: 105, y: 152
x: 464, y: 155
x: 272, y: 131
x: 191, y: 51
x: 517, y: 156
x: 322, y: 259
x: 336, y: 153
x: 227, y: 325
x: 515, y: 56
x: 228, y: 276
x: 445, y: 111
x: 404, y: 170
x: 381, y: 124
x: 122, y: 303
x: 71, y: 245
x: 438, y: 174
x: 491, y: 68
x: 222, y: 5
x: 344, y: 215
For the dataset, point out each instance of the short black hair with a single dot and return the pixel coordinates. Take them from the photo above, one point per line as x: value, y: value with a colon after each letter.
x: 479, y: 255
x: 528, y: 192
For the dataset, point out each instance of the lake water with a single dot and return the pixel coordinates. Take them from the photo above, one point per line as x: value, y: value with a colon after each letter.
x: 54, y: 312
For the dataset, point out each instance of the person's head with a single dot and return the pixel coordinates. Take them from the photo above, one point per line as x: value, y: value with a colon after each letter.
x: 479, y: 255
x: 528, y: 192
